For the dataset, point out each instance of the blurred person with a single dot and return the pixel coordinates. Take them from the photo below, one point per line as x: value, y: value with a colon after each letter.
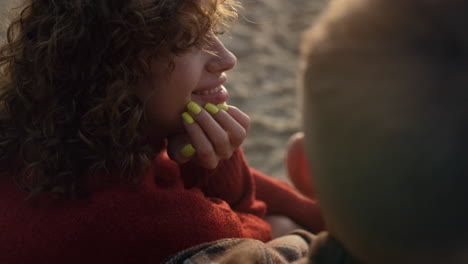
x: 386, y: 125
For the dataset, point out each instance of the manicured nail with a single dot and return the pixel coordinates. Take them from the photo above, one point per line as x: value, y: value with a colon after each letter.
x: 188, y: 150
x: 187, y: 118
x: 193, y: 107
x: 223, y: 106
x: 211, y: 108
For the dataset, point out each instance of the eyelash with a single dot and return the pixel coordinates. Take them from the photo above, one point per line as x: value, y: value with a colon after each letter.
x: 215, y: 32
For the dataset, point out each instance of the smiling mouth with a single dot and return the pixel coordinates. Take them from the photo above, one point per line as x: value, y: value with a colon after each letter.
x: 207, y: 92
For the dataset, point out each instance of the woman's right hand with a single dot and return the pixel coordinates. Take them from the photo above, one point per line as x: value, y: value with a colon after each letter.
x: 213, y: 133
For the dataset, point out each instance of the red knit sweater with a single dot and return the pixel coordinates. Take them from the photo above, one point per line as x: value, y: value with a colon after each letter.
x: 172, y: 209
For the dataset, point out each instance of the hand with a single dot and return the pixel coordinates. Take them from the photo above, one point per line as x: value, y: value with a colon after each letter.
x: 213, y: 134
x: 325, y: 249
x: 296, y: 163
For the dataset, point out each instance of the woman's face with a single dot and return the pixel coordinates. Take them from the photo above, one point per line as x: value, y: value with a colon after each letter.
x: 198, y: 76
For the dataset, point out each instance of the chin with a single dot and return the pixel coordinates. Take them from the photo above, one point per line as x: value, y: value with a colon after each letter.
x: 175, y: 129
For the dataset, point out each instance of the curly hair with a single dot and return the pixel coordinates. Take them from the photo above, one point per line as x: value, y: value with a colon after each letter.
x: 67, y: 107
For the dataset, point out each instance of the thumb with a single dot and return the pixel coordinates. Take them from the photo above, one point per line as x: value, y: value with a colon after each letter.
x: 180, y: 149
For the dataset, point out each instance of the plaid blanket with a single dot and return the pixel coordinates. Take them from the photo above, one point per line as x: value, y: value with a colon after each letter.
x: 299, y: 247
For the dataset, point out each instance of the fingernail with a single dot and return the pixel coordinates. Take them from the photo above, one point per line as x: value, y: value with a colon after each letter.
x: 188, y: 150
x: 193, y: 107
x: 223, y: 106
x: 187, y: 118
x: 211, y: 108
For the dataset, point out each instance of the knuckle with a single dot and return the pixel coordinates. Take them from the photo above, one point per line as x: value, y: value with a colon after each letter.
x: 221, y: 140
x: 204, y: 154
x: 247, y: 119
x: 238, y: 137
x: 225, y: 155
x: 242, y: 134
x: 210, y: 163
x: 247, y: 122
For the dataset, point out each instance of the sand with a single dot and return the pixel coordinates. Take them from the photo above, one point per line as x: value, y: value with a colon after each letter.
x: 264, y: 82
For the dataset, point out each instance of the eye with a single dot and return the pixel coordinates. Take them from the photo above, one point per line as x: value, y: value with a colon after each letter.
x: 196, y: 44
x: 218, y: 32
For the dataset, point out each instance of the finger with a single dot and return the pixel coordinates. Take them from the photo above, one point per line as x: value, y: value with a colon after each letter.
x: 205, y: 152
x: 180, y: 149
x: 215, y: 133
x: 242, y: 118
x: 236, y: 131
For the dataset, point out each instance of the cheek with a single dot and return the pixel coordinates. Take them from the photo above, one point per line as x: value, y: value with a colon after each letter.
x: 165, y: 114
x: 169, y: 97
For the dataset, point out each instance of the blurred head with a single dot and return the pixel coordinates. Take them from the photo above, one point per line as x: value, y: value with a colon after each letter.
x: 69, y: 75
x: 386, y: 125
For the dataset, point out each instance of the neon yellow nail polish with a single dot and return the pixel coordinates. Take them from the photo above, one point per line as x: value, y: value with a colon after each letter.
x: 193, y: 107
x: 211, y: 108
x: 187, y: 118
x: 223, y: 106
x: 188, y: 150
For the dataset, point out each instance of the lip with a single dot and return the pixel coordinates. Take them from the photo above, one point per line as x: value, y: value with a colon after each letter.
x: 217, y: 97
x: 218, y: 82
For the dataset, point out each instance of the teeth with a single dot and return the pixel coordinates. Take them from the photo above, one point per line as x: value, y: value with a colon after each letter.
x: 207, y: 92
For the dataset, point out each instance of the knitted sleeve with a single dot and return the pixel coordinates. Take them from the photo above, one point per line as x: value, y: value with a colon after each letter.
x: 247, y: 190
x: 233, y: 182
x: 281, y: 198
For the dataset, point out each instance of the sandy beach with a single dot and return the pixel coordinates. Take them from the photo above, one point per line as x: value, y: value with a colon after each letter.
x: 264, y: 82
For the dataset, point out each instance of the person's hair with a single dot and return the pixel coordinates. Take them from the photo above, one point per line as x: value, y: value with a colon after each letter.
x: 386, y: 126
x: 67, y: 71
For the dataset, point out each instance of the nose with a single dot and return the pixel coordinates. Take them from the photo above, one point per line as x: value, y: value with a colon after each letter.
x: 221, y: 58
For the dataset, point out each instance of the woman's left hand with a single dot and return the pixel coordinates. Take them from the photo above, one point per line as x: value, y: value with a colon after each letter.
x: 213, y: 134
